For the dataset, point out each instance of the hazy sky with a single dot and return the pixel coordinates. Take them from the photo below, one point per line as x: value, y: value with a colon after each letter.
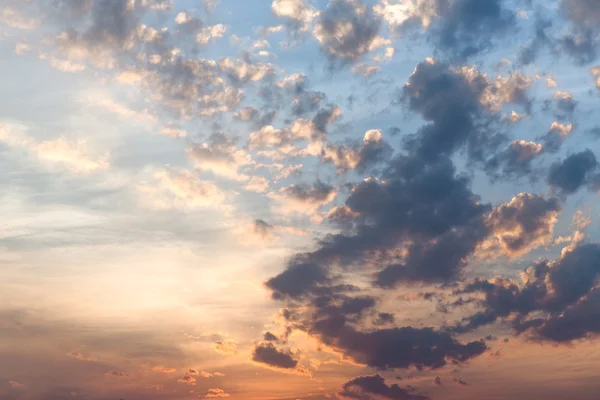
x: 299, y: 199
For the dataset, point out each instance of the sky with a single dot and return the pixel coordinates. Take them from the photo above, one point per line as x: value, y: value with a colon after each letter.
x: 299, y: 199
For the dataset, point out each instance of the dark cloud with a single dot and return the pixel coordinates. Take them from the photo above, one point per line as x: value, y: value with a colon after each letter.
x: 460, y: 382
x: 572, y: 173
x: 370, y: 387
x: 577, y: 321
x: 467, y: 27
x: 297, y: 280
x: 447, y: 100
x: 564, y: 288
x: 269, y: 337
x: 584, y: 12
x: 395, y: 347
x: 270, y: 355
x: 384, y: 319
x: 515, y: 161
x: 347, y: 30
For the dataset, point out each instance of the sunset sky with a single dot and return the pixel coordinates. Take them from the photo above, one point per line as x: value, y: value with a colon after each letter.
x: 299, y: 199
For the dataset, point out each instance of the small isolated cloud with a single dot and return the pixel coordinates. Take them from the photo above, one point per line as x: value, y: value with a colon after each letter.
x: 216, y: 392
x: 79, y: 356
x: 268, y: 354
x: 162, y: 368
x: 117, y: 374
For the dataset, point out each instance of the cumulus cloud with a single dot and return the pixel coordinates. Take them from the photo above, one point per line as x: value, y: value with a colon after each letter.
x: 562, y: 288
x: 347, y: 30
x: 216, y: 393
x: 573, y: 172
x: 268, y: 354
x: 524, y: 223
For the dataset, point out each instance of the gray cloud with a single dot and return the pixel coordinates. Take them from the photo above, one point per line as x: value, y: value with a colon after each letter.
x: 467, y: 27
x: 573, y: 172
x: 270, y: 355
x: 563, y: 288
x: 369, y: 387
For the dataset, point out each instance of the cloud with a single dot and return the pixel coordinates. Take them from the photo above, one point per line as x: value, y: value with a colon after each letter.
x: 210, y: 33
x: 227, y: 347
x: 460, y: 28
x: 468, y: 27
x: 220, y: 156
x: 74, y: 155
x: 524, y: 223
x: 573, y: 172
x: 556, y: 135
x: 117, y: 374
x: 298, y: 14
x: 581, y: 43
x: 188, y: 379
x: 595, y: 71
x: 297, y: 280
x: 562, y: 287
x: 161, y: 368
x: 304, y: 198
x: 17, y: 385
x: 77, y: 355
x: 14, y: 18
x: 182, y: 189
x: 396, y: 347
x: 431, y: 91
x: 269, y: 337
x: 347, y: 30
x: 268, y: 354
x: 368, y: 387
x: 515, y: 161
x: 215, y: 393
